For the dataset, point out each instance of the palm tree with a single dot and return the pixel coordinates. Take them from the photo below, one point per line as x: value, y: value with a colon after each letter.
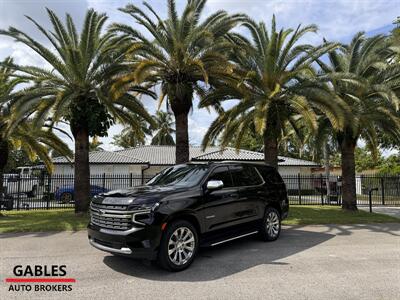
x: 95, y: 145
x: 359, y: 75
x: 25, y: 135
x: 77, y: 88
x: 134, y: 134
x: 184, y: 55
x: 164, y: 129
x: 274, y: 86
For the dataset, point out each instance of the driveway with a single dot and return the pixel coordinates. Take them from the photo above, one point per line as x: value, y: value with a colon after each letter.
x: 393, y: 211
x: 310, y: 262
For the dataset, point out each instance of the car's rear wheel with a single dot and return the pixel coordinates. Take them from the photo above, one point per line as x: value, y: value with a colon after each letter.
x: 271, y: 225
x: 178, y: 247
x: 66, y: 197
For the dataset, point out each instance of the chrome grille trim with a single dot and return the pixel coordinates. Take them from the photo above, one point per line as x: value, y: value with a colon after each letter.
x: 114, y: 217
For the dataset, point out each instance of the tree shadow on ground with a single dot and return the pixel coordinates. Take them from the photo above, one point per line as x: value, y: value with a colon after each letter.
x: 226, y: 259
x: 386, y: 228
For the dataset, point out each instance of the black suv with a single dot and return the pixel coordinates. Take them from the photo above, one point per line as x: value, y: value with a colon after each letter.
x: 187, y: 206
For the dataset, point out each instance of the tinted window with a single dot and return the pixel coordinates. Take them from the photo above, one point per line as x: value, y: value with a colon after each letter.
x: 245, y: 175
x: 180, y: 175
x: 270, y: 175
x: 223, y: 174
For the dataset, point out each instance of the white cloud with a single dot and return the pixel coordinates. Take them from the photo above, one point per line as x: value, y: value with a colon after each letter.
x: 337, y: 20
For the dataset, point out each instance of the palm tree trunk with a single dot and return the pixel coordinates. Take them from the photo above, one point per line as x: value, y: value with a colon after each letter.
x: 82, y: 171
x: 347, y: 147
x: 271, y: 143
x: 182, y: 138
x: 4, y: 153
x: 270, y: 148
x: 327, y: 171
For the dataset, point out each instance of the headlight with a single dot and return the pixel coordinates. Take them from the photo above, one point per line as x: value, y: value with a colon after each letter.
x: 155, y: 207
x: 143, y: 213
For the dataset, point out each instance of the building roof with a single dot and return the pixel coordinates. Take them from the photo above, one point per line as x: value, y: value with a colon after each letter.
x: 105, y: 157
x: 165, y: 156
x: 162, y: 155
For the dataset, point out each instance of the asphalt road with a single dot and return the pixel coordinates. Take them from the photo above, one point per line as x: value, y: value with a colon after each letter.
x: 310, y: 262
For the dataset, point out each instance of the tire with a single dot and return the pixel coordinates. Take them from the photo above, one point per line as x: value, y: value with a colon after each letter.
x: 175, y: 260
x: 271, y: 225
x: 32, y: 193
x: 66, y: 198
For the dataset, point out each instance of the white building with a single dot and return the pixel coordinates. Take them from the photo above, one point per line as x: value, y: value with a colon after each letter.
x: 149, y: 160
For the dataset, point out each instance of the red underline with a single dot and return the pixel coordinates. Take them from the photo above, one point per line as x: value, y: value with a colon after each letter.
x: 40, y: 280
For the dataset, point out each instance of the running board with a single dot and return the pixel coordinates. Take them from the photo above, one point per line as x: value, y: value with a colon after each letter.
x: 234, y: 238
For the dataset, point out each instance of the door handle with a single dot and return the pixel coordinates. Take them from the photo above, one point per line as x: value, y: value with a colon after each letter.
x: 234, y: 195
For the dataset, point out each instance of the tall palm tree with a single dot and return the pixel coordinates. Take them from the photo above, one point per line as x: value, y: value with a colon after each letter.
x: 164, y: 129
x: 133, y: 134
x: 184, y: 55
x: 77, y: 87
x: 359, y: 75
x: 274, y: 86
x: 34, y: 140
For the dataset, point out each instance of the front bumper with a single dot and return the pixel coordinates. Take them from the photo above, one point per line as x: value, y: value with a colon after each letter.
x: 141, y: 242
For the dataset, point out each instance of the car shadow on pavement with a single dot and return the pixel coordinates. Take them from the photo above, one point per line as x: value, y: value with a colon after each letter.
x: 226, y: 259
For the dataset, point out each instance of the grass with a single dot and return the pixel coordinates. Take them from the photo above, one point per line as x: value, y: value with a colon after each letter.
x: 42, y: 220
x: 66, y: 220
x: 317, y: 214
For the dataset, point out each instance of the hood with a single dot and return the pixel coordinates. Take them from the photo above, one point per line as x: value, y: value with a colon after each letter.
x: 137, y: 195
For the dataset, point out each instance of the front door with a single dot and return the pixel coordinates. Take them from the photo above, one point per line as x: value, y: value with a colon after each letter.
x: 221, y: 206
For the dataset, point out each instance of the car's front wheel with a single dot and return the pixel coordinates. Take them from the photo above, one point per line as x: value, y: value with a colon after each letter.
x: 179, y: 246
x: 271, y: 225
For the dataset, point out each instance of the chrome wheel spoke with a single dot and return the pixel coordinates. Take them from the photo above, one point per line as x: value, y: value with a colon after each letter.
x: 190, y: 248
x: 191, y: 240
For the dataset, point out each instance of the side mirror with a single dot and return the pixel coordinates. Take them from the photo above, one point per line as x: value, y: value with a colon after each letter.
x: 215, y: 185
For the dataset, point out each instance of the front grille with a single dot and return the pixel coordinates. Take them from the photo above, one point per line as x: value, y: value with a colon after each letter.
x: 110, y: 216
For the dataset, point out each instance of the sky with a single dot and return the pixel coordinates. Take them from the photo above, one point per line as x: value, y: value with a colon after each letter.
x: 337, y: 20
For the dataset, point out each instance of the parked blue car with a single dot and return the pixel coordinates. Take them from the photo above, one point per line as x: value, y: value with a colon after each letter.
x: 65, y: 194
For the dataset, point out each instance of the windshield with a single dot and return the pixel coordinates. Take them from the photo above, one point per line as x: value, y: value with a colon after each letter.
x: 180, y: 175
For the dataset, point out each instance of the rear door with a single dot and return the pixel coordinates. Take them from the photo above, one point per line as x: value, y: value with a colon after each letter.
x: 251, y: 191
x: 221, y: 207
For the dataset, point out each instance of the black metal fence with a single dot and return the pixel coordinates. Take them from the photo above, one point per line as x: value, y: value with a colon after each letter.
x: 312, y: 189
x: 57, y: 191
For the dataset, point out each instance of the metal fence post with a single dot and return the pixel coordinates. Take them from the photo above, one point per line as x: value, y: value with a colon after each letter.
x: 322, y: 190
x: 18, y: 191
x: 383, y: 190
x: 130, y: 180
x: 104, y: 181
x: 299, y: 186
x: 48, y: 190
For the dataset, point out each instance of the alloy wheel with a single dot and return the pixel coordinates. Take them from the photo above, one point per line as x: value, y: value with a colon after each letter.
x: 181, y: 246
x: 272, y: 224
